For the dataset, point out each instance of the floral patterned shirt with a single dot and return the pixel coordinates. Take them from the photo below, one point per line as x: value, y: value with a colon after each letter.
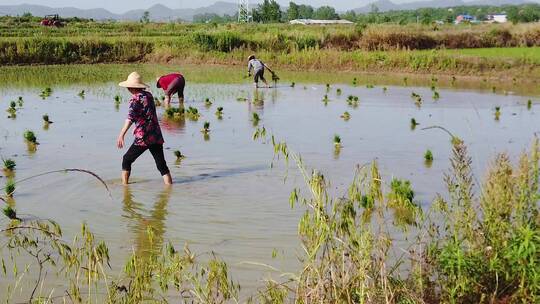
x: 142, y: 113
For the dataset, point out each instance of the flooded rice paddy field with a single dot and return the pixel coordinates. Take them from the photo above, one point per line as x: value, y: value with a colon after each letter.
x: 227, y: 198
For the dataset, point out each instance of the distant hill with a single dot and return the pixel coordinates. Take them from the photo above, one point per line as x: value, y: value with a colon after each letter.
x: 387, y: 5
x: 157, y: 12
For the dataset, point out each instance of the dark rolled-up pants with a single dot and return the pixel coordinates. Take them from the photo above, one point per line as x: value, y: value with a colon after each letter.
x: 135, y: 151
x: 176, y: 86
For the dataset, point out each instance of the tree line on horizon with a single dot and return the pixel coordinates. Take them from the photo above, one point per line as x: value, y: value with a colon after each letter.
x: 269, y: 11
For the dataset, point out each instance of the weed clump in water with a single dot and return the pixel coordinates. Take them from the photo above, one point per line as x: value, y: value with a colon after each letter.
x: 9, y: 164
x: 346, y: 116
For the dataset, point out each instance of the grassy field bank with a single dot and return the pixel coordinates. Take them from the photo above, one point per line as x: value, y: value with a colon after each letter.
x: 463, y: 50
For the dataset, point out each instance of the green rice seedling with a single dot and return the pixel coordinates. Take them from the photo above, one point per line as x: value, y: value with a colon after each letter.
x: 325, y: 98
x: 192, y: 113
x: 405, y: 81
x: 206, y: 127
x: 9, y: 164
x: 433, y: 88
x: 178, y: 154
x: 46, y: 119
x: 9, y: 187
x: 346, y: 116
x: 207, y: 103
x: 255, y: 118
x: 82, y: 94
x: 454, y: 79
x: 428, y: 156
x: 174, y: 113
x: 10, y: 213
x: 529, y: 104
x: 414, y: 123
x: 46, y: 93
x: 414, y: 95
x: 241, y: 99
x: 219, y: 112
x: 369, y: 86
x: 30, y: 137
x: 418, y: 101
x: 384, y: 89
x: 13, y: 104
x: 493, y: 89
x: 117, y: 98
x: 436, y: 95
x: 337, y: 141
x: 293, y: 84
x: 338, y: 91
x: 327, y: 87
x: 20, y: 101
x: 355, y: 81
x: 497, y: 112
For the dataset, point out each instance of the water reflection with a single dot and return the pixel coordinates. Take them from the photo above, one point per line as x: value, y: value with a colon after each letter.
x: 174, y: 125
x: 143, y: 220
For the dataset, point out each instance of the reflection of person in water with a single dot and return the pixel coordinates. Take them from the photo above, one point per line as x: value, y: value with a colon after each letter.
x: 141, y: 220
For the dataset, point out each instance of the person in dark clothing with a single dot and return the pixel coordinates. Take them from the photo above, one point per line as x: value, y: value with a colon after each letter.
x: 171, y: 84
x: 147, y: 132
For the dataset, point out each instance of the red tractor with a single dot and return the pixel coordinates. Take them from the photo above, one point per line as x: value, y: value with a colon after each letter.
x: 52, y: 20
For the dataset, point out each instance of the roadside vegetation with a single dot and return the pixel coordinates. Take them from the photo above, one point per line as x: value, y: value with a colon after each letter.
x: 477, y: 243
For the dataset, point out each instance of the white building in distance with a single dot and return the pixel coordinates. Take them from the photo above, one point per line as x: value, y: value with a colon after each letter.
x: 319, y: 22
x: 498, y: 18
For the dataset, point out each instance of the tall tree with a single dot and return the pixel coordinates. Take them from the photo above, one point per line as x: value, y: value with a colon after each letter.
x: 305, y: 11
x: 292, y: 11
x: 326, y: 13
x: 267, y: 12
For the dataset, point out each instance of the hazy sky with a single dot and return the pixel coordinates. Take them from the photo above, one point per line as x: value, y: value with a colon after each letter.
x: 119, y: 6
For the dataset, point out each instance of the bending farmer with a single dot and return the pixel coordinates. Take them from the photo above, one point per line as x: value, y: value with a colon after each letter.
x: 258, y: 70
x: 172, y: 83
x: 142, y: 113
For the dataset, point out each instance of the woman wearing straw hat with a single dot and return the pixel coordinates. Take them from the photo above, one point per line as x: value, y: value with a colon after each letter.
x: 142, y: 113
x: 258, y: 70
x: 172, y: 83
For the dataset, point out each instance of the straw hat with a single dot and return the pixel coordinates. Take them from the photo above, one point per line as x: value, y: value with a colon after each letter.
x: 134, y: 80
x: 252, y: 56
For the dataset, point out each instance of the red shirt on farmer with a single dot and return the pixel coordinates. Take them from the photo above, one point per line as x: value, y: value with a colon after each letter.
x: 165, y: 81
x: 171, y: 84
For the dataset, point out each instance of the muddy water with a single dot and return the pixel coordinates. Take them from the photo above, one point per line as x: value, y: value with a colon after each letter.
x: 226, y: 197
